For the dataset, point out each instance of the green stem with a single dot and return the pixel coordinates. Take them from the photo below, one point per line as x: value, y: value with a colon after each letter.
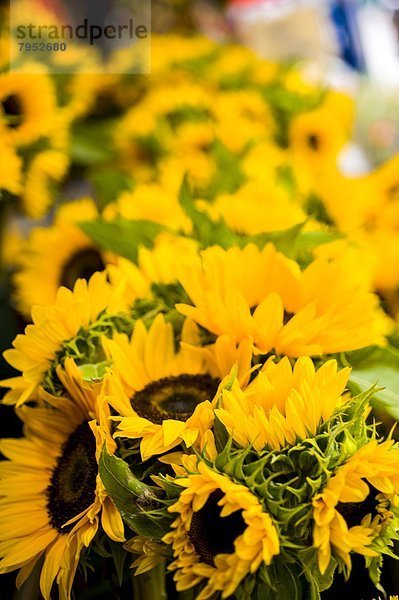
x: 150, y: 585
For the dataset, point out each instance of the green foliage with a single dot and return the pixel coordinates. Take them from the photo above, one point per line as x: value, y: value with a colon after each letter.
x: 90, y: 144
x: 122, y: 236
x: 376, y: 366
x: 204, y: 229
x: 139, y: 504
x: 293, y: 242
x: 229, y: 172
x: 108, y: 184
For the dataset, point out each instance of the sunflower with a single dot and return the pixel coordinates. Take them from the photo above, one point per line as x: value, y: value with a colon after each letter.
x: 318, y: 136
x: 52, y: 499
x: 45, y: 170
x: 282, y: 404
x: 27, y: 106
x: 10, y: 170
x: 353, y: 509
x: 221, y: 533
x: 150, y: 202
x: 164, y: 396
x: 255, y: 208
x: 262, y: 161
x: 54, y: 328
x: 73, y: 256
x: 198, y: 165
x: 232, y: 63
x: 350, y: 202
x: 158, y: 265
x: 264, y: 297
x: 385, y: 180
x: 250, y: 114
x: 178, y: 50
x: 12, y: 246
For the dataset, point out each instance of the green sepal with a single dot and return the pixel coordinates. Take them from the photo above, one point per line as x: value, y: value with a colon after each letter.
x: 94, y: 372
x: 172, y: 489
x: 223, y: 441
x: 86, y: 347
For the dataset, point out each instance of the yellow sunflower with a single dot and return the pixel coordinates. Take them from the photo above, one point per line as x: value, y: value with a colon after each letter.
x: 318, y: 136
x: 178, y: 49
x: 10, y: 169
x: 221, y: 533
x: 150, y: 202
x: 46, y: 169
x: 53, y: 326
x: 159, y: 265
x: 370, y: 479
x: 351, y: 202
x: 200, y: 167
x: 73, y: 256
x: 165, y: 396
x: 250, y: 114
x: 12, y: 246
x: 282, y: 404
x: 52, y: 499
x: 264, y: 297
x: 28, y: 106
x: 256, y: 208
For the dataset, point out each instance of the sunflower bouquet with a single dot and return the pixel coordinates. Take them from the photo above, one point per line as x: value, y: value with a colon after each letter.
x: 207, y: 381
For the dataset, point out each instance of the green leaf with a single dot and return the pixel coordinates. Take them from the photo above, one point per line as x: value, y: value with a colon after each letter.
x: 294, y: 242
x: 127, y: 492
x: 285, y: 241
x: 108, y: 185
x: 139, y: 505
x: 229, y: 173
x: 206, y: 231
x: 88, y: 152
x: 123, y: 237
x: 91, y: 143
x: 377, y: 367
x: 283, y: 581
x: 320, y: 582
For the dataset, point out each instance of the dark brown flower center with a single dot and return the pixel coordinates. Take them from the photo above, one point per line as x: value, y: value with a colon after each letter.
x: 313, y: 142
x: 212, y: 534
x: 174, y: 397
x: 81, y: 265
x: 12, y: 108
x: 73, y: 481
